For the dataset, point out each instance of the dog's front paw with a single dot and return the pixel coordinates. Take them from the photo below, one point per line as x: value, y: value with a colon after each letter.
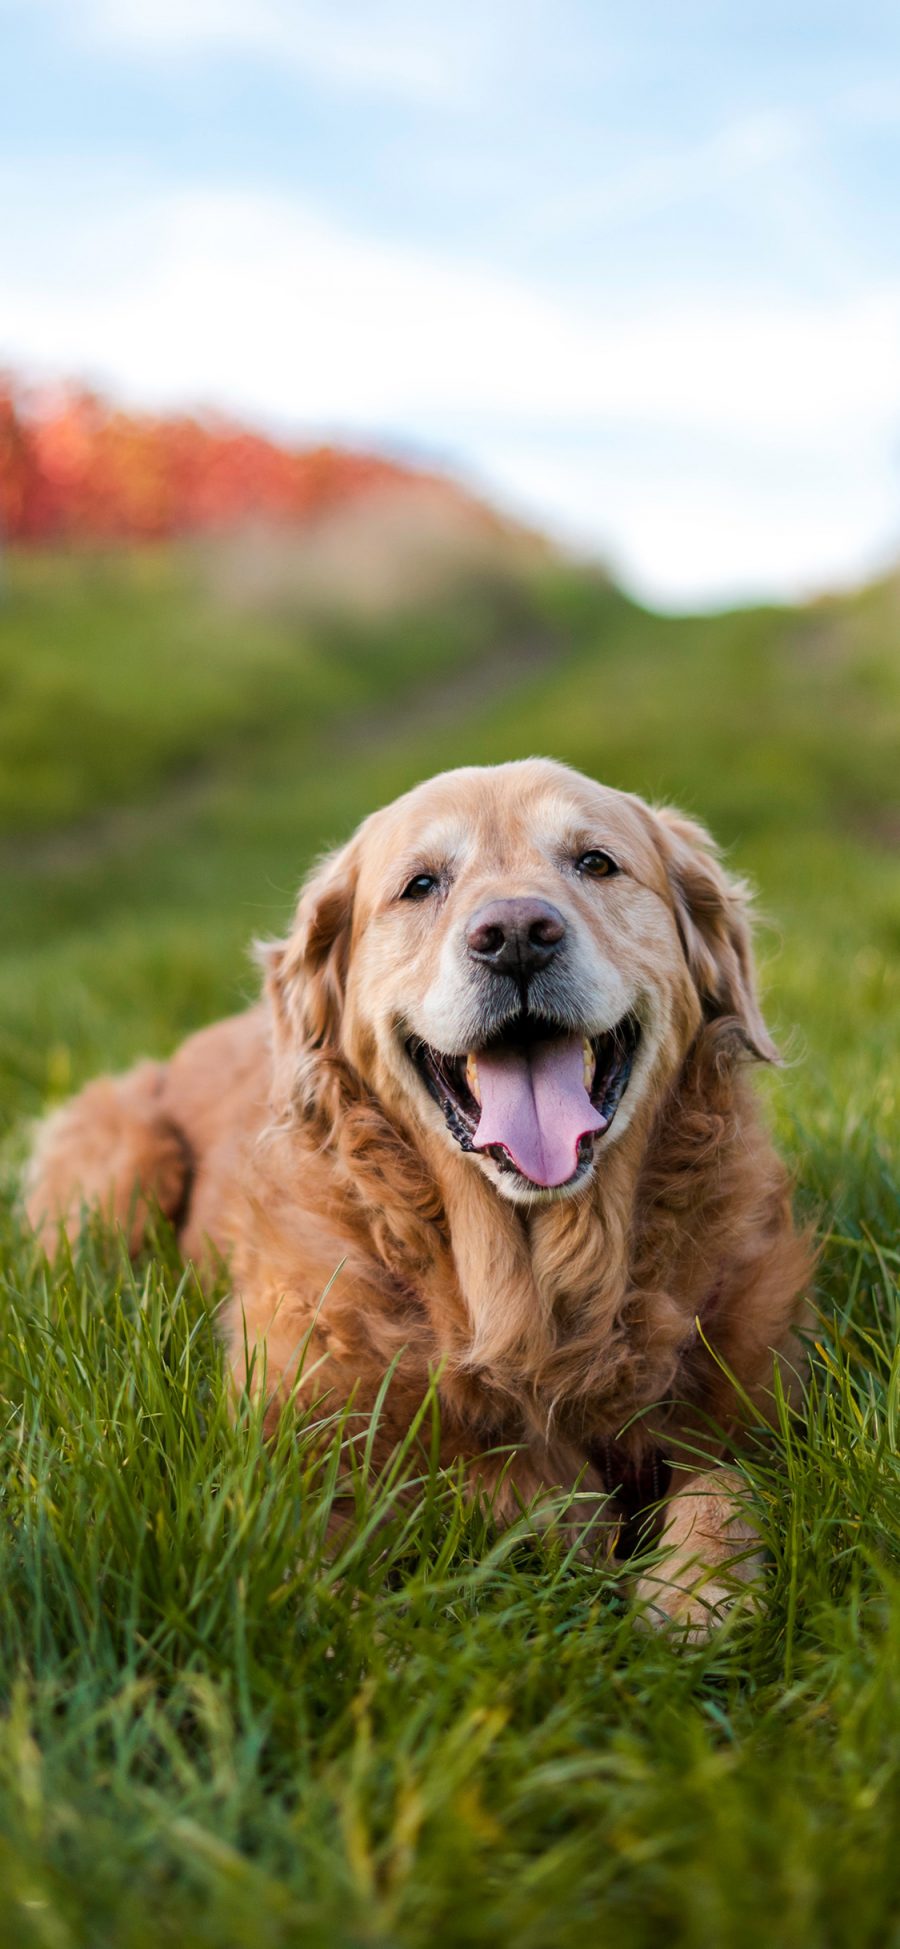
x: 710, y: 1563
x: 696, y: 1611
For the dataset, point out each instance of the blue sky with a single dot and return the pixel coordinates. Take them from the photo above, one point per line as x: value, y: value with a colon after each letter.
x: 633, y: 269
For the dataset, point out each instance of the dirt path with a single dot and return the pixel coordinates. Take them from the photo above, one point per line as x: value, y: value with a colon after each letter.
x: 449, y: 698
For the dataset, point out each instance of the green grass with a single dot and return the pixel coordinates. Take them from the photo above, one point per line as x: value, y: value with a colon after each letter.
x: 216, y: 1731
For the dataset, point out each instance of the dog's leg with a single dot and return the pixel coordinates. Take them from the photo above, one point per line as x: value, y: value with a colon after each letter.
x: 711, y: 1556
x: 112, y: 1149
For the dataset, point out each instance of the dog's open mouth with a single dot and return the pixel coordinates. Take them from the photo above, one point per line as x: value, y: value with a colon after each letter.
x: 534, y: 1096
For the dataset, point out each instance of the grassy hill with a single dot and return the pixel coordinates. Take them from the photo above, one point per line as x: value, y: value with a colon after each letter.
x: 212, y: 1734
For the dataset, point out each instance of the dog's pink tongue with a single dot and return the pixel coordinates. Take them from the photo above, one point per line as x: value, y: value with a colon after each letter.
x: 534, y: 1103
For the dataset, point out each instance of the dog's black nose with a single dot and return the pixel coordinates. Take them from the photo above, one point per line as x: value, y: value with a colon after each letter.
x: 516, y: 937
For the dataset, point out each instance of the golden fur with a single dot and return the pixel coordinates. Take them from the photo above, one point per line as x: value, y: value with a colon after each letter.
x: 592, y: 1329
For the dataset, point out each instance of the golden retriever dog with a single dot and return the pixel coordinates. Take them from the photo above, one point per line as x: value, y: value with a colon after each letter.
x: 492, y: 1121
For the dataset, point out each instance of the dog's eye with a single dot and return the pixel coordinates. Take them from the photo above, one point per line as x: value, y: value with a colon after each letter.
x: 596, y: 866
x: 420, y: 887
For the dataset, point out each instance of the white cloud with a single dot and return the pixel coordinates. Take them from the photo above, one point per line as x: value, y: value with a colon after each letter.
x: 688, y: 529
x: 379, y: 47
x: 783, y: 414
x: 262, y: 300
x: 662, y: 179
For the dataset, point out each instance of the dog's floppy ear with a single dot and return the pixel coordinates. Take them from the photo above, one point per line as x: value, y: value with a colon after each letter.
x: 712, y: 912
x: 306, y: 977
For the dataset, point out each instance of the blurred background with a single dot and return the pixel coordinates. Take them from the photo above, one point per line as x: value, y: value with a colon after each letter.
x: 388, y: 387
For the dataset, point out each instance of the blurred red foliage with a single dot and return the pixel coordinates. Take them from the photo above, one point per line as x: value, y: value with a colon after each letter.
x: 74, y: 468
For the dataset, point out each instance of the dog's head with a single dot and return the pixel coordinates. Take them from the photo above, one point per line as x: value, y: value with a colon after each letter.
x: 514, y: 958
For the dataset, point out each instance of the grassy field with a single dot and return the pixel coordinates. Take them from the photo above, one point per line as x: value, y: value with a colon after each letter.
x: 214, y: 1733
